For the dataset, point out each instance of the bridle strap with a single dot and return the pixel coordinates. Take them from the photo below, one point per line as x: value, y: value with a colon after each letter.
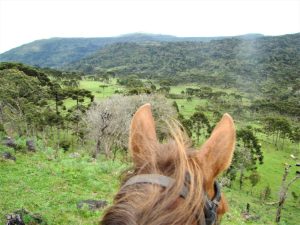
x: 157, y: 179
x: 210, y: 206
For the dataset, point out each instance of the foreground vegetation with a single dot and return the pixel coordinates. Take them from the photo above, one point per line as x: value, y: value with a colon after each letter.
x: 52, y: 183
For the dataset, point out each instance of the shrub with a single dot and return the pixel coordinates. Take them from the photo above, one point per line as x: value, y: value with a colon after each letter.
x: 65, y: 145
x: 108, y: 121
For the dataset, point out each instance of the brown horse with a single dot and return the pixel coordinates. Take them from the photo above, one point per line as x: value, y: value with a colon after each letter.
x: 172, y: 184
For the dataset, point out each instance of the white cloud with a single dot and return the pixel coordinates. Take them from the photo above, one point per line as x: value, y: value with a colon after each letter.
x: 22, y: 21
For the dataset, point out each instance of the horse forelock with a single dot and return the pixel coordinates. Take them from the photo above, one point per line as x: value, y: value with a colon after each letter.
x: 151, y: 204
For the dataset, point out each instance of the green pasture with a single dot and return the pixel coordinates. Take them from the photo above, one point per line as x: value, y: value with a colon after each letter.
x: 51, y: 184
x: 101, y: 90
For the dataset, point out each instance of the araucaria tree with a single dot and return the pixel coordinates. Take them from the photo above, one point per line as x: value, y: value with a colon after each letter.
x: 200, y: 124
x: 247, y: 154
x: 279, y: 128
x: 20, y: 106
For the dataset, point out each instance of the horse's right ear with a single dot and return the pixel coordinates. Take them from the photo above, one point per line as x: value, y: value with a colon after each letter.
x: 142, y: 136
x: 216, y: 153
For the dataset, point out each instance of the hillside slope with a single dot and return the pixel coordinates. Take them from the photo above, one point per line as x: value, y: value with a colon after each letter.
x: 57, y: 52
x: 255, y: 59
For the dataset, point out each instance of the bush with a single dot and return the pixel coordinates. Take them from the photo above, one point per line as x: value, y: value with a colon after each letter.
x: 266, y: 193
x: 2, y: 130
x: 65, y: 145
x: 176, y: 96
x: 108, y: 121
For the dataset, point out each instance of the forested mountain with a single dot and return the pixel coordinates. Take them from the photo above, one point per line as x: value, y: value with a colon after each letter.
x: 57, y: 52
x: 250, y: 60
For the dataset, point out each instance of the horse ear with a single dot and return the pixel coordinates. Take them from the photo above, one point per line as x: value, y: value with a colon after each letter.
x: 216, y: 153
x: 142, y: 135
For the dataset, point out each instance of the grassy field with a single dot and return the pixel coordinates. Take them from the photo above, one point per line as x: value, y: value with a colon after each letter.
x: 52, y: 186
x: 101, y: 90
x: 51, y: 183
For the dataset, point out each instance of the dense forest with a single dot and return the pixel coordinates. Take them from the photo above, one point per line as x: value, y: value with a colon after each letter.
x: 68, y: 127
x: 258, y: 59
x: 58, y: 52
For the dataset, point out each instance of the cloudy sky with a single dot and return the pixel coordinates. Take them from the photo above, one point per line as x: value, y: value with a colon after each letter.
x: 23, y: 21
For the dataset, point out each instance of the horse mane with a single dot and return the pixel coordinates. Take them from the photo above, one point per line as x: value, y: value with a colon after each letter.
x: 143, y: 204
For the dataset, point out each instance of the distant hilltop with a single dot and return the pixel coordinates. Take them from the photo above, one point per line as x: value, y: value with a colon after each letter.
x: 59, y: 52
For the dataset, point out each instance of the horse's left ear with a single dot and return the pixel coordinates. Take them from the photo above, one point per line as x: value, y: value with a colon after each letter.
x: 142, y: 136
x: 216, y: 153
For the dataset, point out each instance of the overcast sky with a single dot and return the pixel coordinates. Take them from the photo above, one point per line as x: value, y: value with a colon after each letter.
x: 23, y: 21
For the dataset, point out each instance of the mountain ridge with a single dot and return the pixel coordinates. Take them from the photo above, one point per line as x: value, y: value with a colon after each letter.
x: 253, y: 60
x: 57, y: 52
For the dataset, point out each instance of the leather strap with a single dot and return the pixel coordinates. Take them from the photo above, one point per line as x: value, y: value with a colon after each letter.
x: 157, y: 179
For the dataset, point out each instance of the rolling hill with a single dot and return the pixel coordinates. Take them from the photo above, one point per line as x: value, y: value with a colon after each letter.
x: 243, y: 61
x: 58, y: 52
x: 249, y: 59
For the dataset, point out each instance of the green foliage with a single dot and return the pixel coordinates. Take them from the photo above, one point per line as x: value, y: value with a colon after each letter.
x: 254, y: 178
x: 229, y: 62
x: 52, y: 184
x: 165, y: 82
x: 174, y: 104
x: 248, y: 140
x: 295, y: 136
x: 131, y: 82
x: 247, y: 153
x: 164, y: 89
x: 2, y: 130
x: 295, y: 196
x: 199, y: 122
x: 279, y: 127
x: 53, y: 52
x: 266, y: 193
x: 20, y: 105
x: 187, y: 124
x: 30, y: 102
x: 58, y: 52
x: 28, y: 70
x: 65, y: 144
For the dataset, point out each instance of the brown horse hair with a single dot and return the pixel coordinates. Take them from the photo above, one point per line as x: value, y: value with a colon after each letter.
x: 144, y: 204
